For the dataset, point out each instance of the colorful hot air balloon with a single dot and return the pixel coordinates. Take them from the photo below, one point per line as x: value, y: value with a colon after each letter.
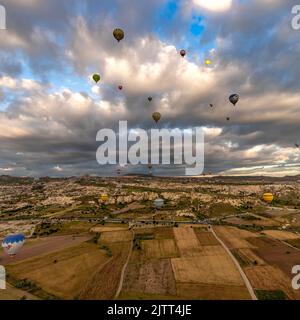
x: 96, y: 77
x: 120, y: 87
x: 268, y: 197
x: 182, y: 53
x: 119, y: 34
x: 159, y: 203
x: 234, y: 99
x: 156, y: 116
x: 13, y: 243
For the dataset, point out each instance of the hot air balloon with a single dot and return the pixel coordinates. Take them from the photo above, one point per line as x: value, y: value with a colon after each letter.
x: 149, y: 99
x: 234, y: 99
x: 207, y: 62
x: 159, y: 203
x: 268, y: 197
x: 120, y: 87
x: 104, y: 197
x: 13, y: 243
x: 156, y: 116
x: 118, y: 34
x: 96, y: 77
x: 182, y: 53
x: 211, y: 105
x: 228, y: 119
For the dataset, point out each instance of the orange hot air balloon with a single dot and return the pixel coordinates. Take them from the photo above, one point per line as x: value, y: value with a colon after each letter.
x: 268, y: 197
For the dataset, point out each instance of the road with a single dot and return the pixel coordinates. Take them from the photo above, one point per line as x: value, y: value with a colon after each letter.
x: 242, y: 273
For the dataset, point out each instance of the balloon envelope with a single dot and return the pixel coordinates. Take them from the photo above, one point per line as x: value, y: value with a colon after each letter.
x: 119, y: 34
x: 234, y: 99
x: 182, y: 53
x: 96, y: 77
x: 159, y: 203
x: 13, y: 243
x: 156, y: 116
x: 149, y: 99
x: 268, y: 197
x: 104, y: 197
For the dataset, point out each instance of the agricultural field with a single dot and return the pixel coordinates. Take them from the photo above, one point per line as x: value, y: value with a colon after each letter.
x: 197, y: 270
x: 266, y: 259
x: 79, y: 248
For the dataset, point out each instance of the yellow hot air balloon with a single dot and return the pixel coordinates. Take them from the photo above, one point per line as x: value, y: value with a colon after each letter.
x: 268, y: 197
x: 208, y: 62
x: 104, y: 197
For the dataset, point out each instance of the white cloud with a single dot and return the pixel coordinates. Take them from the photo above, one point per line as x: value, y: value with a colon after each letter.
x: 214, y: 5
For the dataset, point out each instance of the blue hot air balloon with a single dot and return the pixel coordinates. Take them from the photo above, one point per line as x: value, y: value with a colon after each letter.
x: 13, y: 243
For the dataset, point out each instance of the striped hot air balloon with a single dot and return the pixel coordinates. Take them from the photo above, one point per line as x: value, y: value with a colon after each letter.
x: 13, y: 243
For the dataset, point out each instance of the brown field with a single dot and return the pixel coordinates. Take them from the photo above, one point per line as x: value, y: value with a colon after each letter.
x: 116, y: 236
x: 41, y: 246
x: 208, y: 269
x: 212, y: 292
x: 158, y: 249
x: 271, y: 278
x: 163, y: 233
x: 11, y: 293
x: 99, y: 229
x: 246, y: 257
x: 105, y: 280
x: 187, y: 241
x: 262, y: 222
x: 153, y: 277
x: 206, y: 238
x: 281, y: 235
x: 61, y: 273
x: 295, y: 243
x: 280, y: 255
x: 235, y: 238
x: 216, y: 251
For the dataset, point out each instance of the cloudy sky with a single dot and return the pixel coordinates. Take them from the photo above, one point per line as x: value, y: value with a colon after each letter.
x: 50, y: 109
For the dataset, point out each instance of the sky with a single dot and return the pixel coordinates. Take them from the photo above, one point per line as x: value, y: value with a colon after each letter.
x: 51, y: 110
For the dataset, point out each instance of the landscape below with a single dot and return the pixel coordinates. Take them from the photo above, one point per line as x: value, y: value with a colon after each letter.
x: 211, y: 234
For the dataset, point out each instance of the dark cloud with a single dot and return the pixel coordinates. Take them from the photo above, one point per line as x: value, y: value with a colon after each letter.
x: 54, y: 132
